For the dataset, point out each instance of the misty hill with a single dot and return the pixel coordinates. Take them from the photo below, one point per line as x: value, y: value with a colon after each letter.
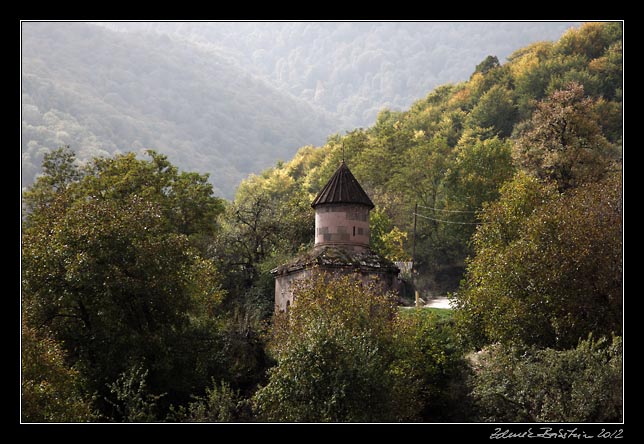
x: 103, y: 92
x: 354, y: 69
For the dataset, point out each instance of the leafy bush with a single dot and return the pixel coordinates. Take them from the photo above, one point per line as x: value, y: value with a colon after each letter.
x: 583, y: 384
x: 51, y: 391
x: 220, y: 404
x: 130, y: 398
x: 337, y: 358
x: 429, y: 349
x: 344, y: 354
x: 548, y: 267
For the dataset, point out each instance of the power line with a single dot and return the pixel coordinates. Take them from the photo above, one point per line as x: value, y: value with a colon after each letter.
x: 447, y: 221
x: 448, y: 211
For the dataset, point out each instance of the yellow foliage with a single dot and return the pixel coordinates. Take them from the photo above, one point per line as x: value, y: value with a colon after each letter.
x: 459, y: 98
x: 537, y: 49
x: 419, y: 135
x: 476, y: 80
x: 394, y: 244
x: 524, y: 65
x: 598, y: 65
x: 279, y: 181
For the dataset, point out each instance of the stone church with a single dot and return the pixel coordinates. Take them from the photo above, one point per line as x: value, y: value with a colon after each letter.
x: 341, y: 241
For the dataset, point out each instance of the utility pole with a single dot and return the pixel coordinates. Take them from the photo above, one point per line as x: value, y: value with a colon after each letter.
x: 413, y: 258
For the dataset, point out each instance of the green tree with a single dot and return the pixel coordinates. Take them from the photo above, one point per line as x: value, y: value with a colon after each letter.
x: 383, y: 151
x: 487, y: 64
x: 457, y: 187
x: 609, y: 69
x: 423, y: 183
x: 531, y: 74
x: 479, y: 169
x: 547, y: 269
x: 185, y: 198
x: 336, y: 360
x: 112, y: 283
x: 429, y: 350
x: 563, y: 141
x: 59, y: 170
x: 108, y: 267
x: 386, y: 239
x: 495, y: 110
x: 582, y: 384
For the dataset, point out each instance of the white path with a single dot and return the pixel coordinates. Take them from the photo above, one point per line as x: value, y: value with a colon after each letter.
x: 439, y: 302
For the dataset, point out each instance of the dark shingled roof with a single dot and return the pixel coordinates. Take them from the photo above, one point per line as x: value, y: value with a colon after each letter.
x: 328, y: 257
x: 342, y: 188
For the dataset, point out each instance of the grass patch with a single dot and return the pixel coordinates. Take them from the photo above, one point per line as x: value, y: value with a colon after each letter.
x: 439, y: 314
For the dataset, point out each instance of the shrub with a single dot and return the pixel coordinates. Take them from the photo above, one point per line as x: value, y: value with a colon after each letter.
x: 583, y: 384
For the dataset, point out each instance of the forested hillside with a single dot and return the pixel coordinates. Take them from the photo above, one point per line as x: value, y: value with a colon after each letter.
x: 451, y: 151
x: 102, y: 92
x: 148, y: 298
x: 354, y: 69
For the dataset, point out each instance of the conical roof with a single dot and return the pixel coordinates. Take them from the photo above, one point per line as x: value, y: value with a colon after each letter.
x: 342, y: 188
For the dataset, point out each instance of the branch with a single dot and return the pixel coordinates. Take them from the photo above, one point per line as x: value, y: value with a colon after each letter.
x: 58, y: 315
x: 518, y: 405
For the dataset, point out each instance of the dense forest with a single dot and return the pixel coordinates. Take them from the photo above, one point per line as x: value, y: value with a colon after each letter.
x: 147, y: 298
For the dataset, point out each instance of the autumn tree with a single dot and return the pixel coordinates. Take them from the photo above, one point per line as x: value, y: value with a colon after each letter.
x: 563, y: 141
x: 547, y: 269
x: 582, y: 384
x: 109, y: 266
x: 51, y: 390
x: 336, y: 357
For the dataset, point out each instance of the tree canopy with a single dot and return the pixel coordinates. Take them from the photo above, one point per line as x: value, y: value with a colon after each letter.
x: 108, y: 265
x: 344, y: 354
x: 547, y: 269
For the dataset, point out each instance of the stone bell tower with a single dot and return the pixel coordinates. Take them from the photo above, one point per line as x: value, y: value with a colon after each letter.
x: 341, y: 240
x: 342, y: 213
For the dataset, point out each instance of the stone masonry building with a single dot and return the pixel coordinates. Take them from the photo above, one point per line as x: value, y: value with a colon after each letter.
x: 341, y: 241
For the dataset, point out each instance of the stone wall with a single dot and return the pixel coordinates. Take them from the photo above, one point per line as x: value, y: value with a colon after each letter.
x: 342, y: 224
x: 284, y: 283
